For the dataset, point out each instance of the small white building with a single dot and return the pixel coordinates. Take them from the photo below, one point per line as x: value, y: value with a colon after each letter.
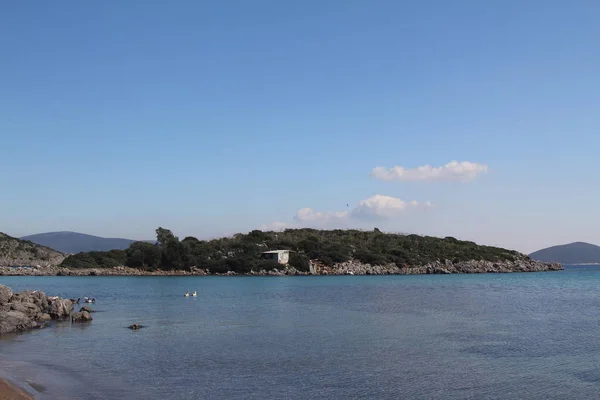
x: 281, y: 256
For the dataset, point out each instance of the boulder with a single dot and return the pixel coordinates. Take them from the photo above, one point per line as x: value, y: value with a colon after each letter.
x: 6, y: 294
x: 81, y: 316
x: 44, y: 317
x: 31, y: 310
x: 31, y: 296
x: 61, y: 308
x: 15, y: 321
x: 86, y: 309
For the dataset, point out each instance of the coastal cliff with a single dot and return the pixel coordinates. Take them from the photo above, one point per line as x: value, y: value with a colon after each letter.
x: 17, y: 252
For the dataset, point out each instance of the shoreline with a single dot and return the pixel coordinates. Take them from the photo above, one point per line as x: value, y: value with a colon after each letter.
x: 317, y: 269
x: 10, y: 391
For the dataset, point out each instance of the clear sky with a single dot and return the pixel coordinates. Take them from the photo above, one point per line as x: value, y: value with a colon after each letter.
x: 213, y: 117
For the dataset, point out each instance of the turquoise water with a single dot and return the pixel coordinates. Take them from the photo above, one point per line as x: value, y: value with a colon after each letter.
x: 532, y: 335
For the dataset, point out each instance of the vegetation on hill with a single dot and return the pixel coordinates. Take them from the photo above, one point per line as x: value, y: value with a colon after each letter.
x: 572, y: 253
x: 73, y: 242
x: 17, y: 252
x: 241, y: 252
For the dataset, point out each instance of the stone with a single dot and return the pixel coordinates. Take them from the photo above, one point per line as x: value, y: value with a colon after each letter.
x: 15, y: 321
x: 29, y: 309
x: 6, y: 294
x: 44, y: 317
x: 81, y: 316
x: 61, y: 308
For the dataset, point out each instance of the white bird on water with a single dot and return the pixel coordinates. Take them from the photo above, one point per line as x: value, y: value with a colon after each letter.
x: 187, y: 294
x: 194, y: 294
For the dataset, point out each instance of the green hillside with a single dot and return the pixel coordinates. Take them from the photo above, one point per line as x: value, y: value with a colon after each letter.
x: 241, y: 252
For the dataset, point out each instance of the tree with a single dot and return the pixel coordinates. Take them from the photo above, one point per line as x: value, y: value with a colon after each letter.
x: 144, y: 255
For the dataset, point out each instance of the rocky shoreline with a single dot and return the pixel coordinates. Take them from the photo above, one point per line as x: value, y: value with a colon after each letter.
x: 32, y: 309
x: 347, y: 268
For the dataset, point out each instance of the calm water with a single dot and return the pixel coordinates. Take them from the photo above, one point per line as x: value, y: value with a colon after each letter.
x: 534, y: 336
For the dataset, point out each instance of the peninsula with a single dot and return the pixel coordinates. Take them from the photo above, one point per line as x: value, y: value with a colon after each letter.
x: 311, y: 252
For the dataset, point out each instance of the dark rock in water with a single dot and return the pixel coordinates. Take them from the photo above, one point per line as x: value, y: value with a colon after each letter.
x: 6, y: 294
x: 81, y: 316
x: 61, y: 308
x: 87, y: 309
x: 135, y: 327
x: 15, y: 321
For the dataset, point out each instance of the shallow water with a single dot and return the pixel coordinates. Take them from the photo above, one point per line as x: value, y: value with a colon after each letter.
x: 488, y: 336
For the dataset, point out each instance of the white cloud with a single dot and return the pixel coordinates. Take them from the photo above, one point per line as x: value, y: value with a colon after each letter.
x: 377, y: 206
x: 380, y: 206
x: 276, y: 226
x: 310, y: 215
x: 453, y: 171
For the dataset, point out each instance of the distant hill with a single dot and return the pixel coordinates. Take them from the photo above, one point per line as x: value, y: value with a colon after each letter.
x: 73, y: 242
x: 16, y: 252
x: 572, y: 253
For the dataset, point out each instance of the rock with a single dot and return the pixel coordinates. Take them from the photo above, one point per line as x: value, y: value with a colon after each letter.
x: 31, y: 310
x: 86, y: 309
x: 44, y: 317
x: 31, y: 296
x: 61, y: 308
x: 81, y: 316
x: 15, y: 321
x: 135, y: 327
x: 6, y: 294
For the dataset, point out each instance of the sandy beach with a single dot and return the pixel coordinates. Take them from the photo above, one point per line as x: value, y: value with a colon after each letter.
x: 11, y: 392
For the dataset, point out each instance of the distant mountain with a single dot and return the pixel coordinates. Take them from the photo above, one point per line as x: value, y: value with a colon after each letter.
x: 73, y: 242
x: 16, y: 252
x: 572, y: 253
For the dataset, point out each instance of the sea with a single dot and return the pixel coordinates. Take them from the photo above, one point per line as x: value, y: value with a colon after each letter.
x: 481, y: 336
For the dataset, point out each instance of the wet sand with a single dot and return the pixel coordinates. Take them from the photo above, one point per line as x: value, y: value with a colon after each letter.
x: 10, y: 392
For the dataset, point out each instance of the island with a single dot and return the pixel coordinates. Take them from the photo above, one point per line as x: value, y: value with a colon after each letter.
x: 577, y: 253
x: 291, y: 252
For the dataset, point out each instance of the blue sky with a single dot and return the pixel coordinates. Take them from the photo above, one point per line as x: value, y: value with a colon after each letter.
x: 210, y: 118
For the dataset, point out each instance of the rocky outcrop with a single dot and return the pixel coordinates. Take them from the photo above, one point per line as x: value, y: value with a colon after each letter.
x: 60, y: 308
x: 523, y: 264
x: 353, y: 267
x: 14, y: 321
x: 17, y: 252
x: 81, y: 316
x: 30, y: 309
x: 6, y: 294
